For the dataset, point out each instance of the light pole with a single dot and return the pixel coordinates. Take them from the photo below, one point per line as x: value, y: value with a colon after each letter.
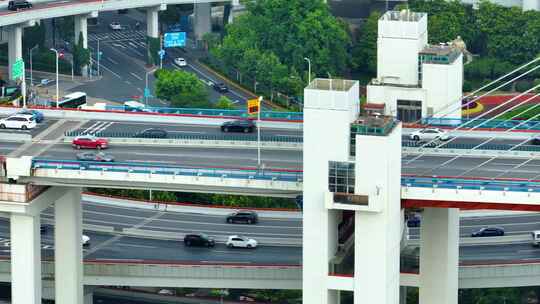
x: 99, y: 53
x: 309, y: 69
x: 146, y: 90
x: 31, y: 74
x: 56, y: 53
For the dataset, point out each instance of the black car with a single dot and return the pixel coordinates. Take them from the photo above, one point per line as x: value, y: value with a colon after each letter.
x: 490, y: 231
x: 152, y: 133
x: 199, y: 239
x: 220, y: 87
x: 248, y: 217
x: 535, y: 141
x: 246, y: 126
x: 18, y: 4
x: 98, y: 157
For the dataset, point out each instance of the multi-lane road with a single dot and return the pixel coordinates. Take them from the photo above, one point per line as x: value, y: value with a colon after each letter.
x: 116, y: 246
x: 54, y: 148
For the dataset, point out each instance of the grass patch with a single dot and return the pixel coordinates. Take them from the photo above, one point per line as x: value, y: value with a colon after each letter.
x: 523, y: 112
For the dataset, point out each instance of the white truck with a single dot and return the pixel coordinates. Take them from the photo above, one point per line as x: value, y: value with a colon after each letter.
x: 536, y: 238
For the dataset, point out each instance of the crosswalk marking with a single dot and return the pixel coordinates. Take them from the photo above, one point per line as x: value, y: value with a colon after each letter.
x: 118, y: 36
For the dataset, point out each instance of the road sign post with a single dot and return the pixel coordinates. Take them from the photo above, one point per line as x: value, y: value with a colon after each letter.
x: 17, y: 72
x: 254, y: 107
x: 174, y: 39
x: 161, y: 54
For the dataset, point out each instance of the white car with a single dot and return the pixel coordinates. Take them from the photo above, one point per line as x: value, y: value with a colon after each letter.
x: 429, y: 134
x: 23, y: 122
x: 115, y: 26
x: 180, y: 61
x: 241, y: 241
x: 85, y: 240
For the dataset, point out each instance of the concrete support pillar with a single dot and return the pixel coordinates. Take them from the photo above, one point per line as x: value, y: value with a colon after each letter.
x: 439, y: 256
x: 202, y: 18
x: 152, y: 24
x: 14, y: 46
x: 81, y: 27
x: 68, y: 248
x: 89, y: 294
x: 25, y: 259
x: 402, y: 294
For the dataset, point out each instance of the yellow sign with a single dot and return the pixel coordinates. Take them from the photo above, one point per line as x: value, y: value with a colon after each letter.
x: 253, y: 106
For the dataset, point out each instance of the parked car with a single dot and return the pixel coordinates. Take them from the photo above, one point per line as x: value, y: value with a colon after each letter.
x: 18, y: 4
x: 489, y: 231
x: 115, y: 26
x: 98, y: 157
x: 38, y: 116
x: 241, y: 241
x: 85, y: 240
x: 246, y: 126
x: 180, y: 61
x: 23, y: 122
x: 220, y: 87
x: 89, y: 142
x: 151, y: 133
x: 429, y: 134
x: 199, y: 239
x: 248, y: 217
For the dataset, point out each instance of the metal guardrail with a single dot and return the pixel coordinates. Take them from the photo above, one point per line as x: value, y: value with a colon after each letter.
x: 484, y: 123
x: 246, y: 173
x: 471, y: 184
x: 281, y: 175
x: 469, y: 146
x: 296, y: 116
x: 224, y: 137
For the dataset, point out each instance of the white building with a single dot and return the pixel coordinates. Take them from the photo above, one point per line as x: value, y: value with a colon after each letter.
x: 414, y: 79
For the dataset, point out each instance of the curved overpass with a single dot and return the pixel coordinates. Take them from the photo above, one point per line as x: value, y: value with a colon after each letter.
x: 54, y: 9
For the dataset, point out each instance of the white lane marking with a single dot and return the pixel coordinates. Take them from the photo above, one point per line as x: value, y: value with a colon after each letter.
x: 234, y: 251
x: 109, y: 70
x: 136, y: 76
x: 119, y: 45
x: 186, y: 132
x: 110, y: 59
x: 134, y: 245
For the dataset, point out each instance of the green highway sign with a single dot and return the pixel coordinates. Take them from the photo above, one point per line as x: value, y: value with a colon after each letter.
x: 17, y: 69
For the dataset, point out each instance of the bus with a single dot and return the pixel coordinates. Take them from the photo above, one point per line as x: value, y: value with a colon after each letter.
x: 72, y: 101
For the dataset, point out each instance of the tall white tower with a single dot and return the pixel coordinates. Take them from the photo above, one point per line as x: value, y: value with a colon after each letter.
x: 401, y: 36
x: 335, y: 183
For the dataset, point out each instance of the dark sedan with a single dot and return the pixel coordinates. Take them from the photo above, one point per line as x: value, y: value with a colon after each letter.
x: 246, y: 126
x: 220, y: 87
x: 152, y: 133
x: 535, y: 141
x: 490, y: 231
x: 91, y: 156
x: 199, y: 239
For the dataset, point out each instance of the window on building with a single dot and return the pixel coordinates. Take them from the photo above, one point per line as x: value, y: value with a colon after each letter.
x: 341, y: 177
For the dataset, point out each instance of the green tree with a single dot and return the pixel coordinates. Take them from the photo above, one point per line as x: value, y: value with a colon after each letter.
x: 153, y: 49
x: 225, y: 103
x: 65, y: 27
x: 364, y: 54
x: 34, y: 35
x: 182, y: 88
x: 81, y: 56
x: 282, y: 33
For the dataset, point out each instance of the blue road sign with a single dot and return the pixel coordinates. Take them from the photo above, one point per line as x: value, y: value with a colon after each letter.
x: 174, y: 39
x: 147, y: 92
x: 161, y: 54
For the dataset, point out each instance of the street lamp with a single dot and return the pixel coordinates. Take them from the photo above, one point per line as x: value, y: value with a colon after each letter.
x: 31, y: 74
x: 309, y: 69
x: 146, y: 90
x: 99, y: 53
x: 56, y: 53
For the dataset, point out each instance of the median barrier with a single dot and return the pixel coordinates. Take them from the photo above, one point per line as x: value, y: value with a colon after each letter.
x: 484, y: 153
x: 478, y: 241
x: 229, y: 144
x: 15, y: 137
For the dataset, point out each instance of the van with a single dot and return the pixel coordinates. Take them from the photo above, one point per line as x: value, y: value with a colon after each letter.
x: 536, y: 238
